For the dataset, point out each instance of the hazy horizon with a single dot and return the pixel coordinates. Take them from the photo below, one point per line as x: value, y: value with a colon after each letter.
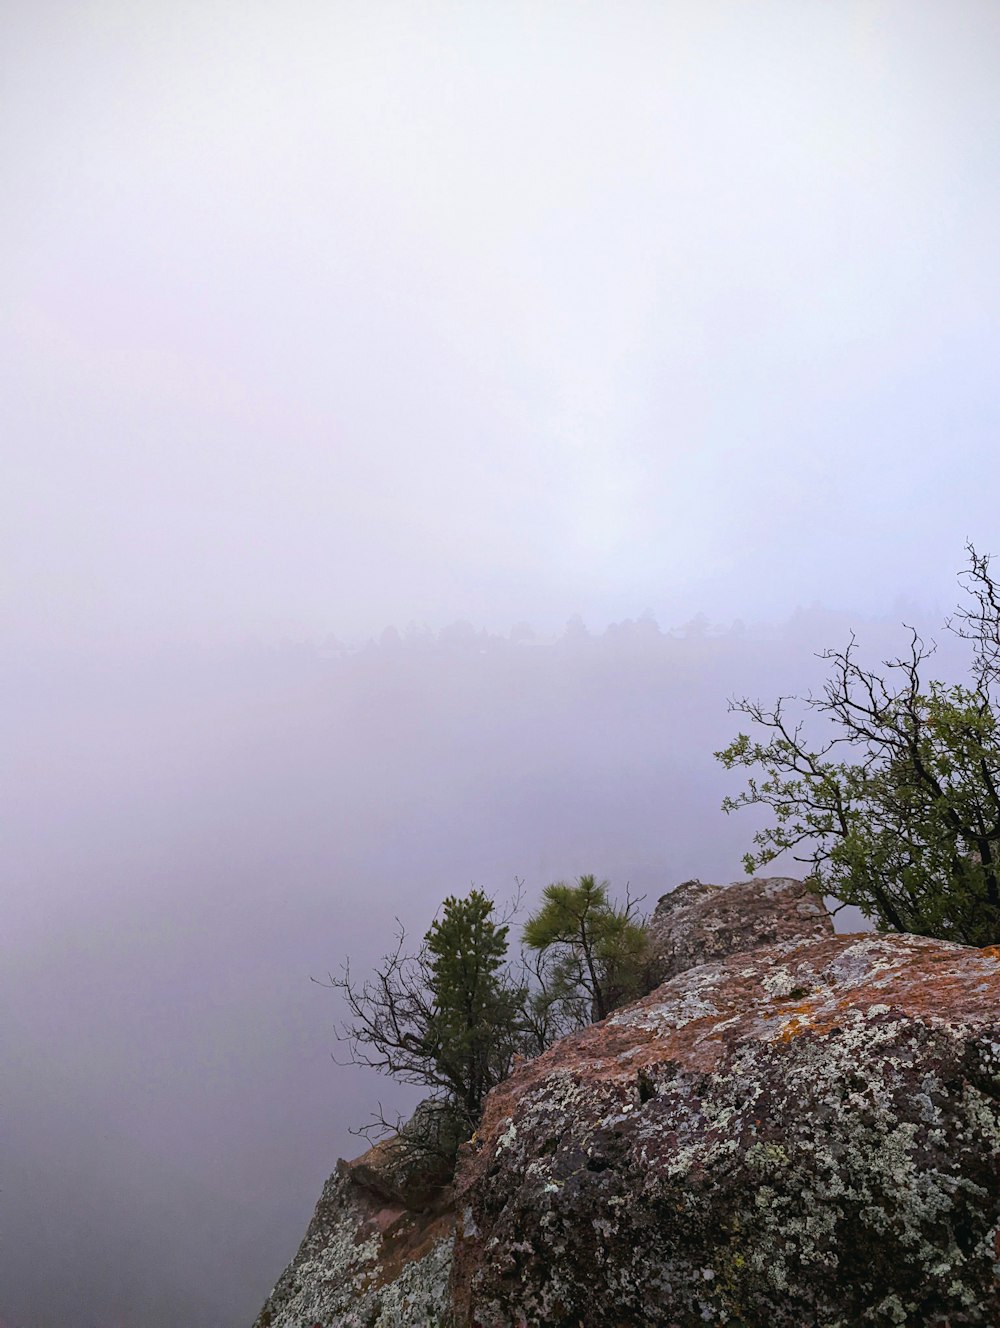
x: 333, y: 316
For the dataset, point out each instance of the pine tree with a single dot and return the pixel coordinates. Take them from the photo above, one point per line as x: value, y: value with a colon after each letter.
x: 449, y: 1017
x: 597, y: 948
x: 473, y: 1031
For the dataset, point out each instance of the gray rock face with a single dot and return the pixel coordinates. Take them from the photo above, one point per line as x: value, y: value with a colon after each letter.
x: 367, y: 1260
x: 799, y: 1135
x: 797, y: 1130
x: 698, y: 923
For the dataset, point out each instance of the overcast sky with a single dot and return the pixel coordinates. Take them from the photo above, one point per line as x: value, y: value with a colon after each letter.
x: 317, y: 317
x: 320, y: 316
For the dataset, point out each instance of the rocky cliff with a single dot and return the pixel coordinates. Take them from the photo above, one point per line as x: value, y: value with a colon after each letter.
x: 377, y: 1253
x: 806, y: 1132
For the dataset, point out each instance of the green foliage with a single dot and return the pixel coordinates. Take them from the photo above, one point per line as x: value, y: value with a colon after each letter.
x: 898, y: 813
x: 596, y: 950
x: 474, y: 1024
x: 453, y: 1016
x: 448, y: 1017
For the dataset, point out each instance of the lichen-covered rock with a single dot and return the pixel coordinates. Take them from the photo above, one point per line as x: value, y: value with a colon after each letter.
x: 367, y: 1260
x: 698, y: 923
x: 806, y: 1134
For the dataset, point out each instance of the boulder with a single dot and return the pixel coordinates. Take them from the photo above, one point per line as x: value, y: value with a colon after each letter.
x: 698, y: 923
x: 805, y: 1134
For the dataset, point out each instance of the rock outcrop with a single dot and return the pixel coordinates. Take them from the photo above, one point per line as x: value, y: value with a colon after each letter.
x: 796, y: 1130
x: 698, y: 923
x: 377, y: 1253
x: 807, y: 1134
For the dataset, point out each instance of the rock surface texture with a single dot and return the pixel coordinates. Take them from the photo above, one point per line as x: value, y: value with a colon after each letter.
x: 796, y: 1130
x: 698, y: 923
x: 806, y: 1134
x: 368, y: 1260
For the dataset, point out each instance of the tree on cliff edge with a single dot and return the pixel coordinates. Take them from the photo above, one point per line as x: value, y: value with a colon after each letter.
x: 597, y: 949
x: 475, y: 1020
x: 447, y: 1017
x: 907, y: 827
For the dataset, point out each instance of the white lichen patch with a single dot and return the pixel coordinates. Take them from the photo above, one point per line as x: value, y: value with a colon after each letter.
x: 507, y: 1138
x: 832, y: 1162
x: 779, y: 983
x: 681, y: 1003
x: 877, y: 961
x: 337, y: 1278
x: 418, y: 1297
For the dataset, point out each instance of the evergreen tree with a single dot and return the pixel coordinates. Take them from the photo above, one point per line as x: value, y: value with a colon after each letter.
x: 475, y: 1022
x: 448, y: 1017
x: 596, y: 949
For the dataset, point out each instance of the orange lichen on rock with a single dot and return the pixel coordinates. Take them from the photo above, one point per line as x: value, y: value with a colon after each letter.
x: 803, y: 1133
x: 793, y: 1026
x: 795, y: 1128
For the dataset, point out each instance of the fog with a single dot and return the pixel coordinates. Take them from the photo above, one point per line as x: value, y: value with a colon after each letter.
x: 191, y: 838
x: 417, y: 420
x: 328, y: 316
